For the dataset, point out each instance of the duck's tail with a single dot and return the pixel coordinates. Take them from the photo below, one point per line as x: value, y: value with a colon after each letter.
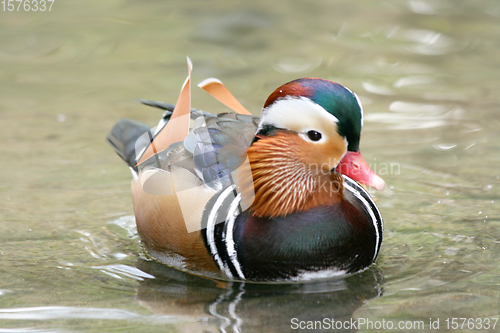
x: 125, y: 138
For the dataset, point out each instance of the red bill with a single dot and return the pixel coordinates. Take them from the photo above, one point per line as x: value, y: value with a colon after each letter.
x: 355, y: 167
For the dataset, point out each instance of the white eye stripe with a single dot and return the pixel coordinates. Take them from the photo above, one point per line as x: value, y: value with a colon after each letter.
x: 299, y: 114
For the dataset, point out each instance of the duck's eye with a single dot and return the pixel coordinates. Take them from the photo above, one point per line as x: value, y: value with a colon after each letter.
x: 314, y: 135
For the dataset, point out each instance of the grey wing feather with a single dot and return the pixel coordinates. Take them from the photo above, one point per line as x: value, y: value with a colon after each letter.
x: 220, y: 146
x: 213, y: 149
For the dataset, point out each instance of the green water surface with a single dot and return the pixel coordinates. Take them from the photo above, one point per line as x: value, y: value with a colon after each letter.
x: 427, y: 72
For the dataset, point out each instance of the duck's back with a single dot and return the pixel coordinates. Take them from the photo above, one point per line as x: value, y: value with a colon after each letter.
x: 171, y: 189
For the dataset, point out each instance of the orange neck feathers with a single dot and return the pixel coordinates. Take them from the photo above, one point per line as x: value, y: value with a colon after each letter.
x: 284, y: 181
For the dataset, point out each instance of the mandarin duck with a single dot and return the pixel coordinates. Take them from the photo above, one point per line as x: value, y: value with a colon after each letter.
x: 238, y: 197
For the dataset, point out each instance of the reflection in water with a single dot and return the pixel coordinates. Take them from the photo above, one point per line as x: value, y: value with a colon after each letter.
x: 68, y: 312
x: 247, y: 307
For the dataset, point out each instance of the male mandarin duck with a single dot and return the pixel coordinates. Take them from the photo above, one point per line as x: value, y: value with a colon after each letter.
x: 257, y: 199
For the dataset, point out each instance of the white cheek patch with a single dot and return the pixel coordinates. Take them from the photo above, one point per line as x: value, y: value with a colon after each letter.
x: 300, y: 114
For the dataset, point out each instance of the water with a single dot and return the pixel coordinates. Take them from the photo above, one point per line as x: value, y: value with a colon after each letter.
x: 426, y: 71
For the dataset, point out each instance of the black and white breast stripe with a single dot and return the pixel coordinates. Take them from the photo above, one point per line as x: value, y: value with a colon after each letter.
x: 378, y: 224
x: 219, y: 217
x: 222, y: 210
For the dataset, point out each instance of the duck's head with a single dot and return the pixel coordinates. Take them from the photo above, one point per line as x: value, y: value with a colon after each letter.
x: 328, y: 119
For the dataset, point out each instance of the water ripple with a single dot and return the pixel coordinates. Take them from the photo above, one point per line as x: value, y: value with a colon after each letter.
x: 128, y: 224
x: 67, y: 312
x: 117, y: 271
x: 297, y: 65
x: 421, y: 7
x: 27, y: 330
x: 428, y: 42
x: 413, y: 80
x: 377, y: 89
x: 406, y: 115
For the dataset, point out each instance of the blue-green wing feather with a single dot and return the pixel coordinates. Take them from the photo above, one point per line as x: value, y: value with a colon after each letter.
x: 220, y: 147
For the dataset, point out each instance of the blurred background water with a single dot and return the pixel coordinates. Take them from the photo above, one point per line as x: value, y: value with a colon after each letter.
x: 427, y: 72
